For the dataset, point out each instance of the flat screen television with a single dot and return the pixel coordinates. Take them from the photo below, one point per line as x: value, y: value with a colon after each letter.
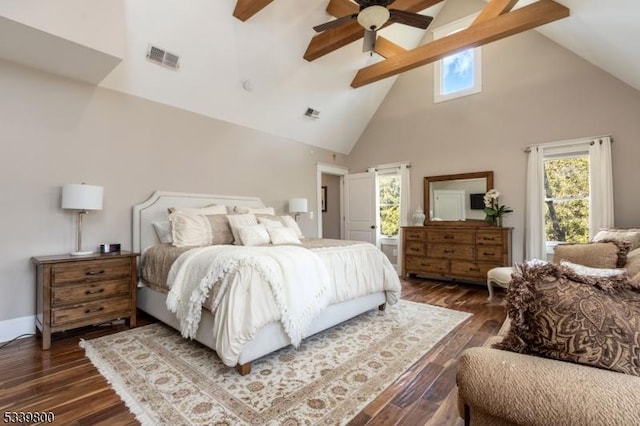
x: 476, y: 201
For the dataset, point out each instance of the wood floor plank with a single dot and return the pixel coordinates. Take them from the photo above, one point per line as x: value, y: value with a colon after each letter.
x: 64, y: 381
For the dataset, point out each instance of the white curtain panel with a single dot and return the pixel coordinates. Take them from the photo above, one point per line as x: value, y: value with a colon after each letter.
x: 600, y: 185
x: 535, y: 247
x: 405, y: 207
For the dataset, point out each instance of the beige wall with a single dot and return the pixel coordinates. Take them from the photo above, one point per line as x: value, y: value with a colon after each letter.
x: 56, y: 131
x: 533, y: 91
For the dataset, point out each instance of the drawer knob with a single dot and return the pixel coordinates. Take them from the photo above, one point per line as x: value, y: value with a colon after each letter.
x: 448, y: 251
x: 94, y: 272
x: 448, y: 237
x: 90, y: 311
x: 474, y: 269
x: 94, y: 291
x: 489, y: 253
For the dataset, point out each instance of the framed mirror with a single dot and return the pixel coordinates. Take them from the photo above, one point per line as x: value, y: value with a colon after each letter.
x: 458, y: 197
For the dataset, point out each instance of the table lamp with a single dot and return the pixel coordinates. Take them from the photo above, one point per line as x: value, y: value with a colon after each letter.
x: 83, y: 198
x: 298, y: 206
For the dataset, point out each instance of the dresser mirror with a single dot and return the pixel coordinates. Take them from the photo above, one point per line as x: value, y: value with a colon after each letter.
x: 456, y: 197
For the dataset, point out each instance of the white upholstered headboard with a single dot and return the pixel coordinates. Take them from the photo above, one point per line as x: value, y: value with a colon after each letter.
x: 155, y: 210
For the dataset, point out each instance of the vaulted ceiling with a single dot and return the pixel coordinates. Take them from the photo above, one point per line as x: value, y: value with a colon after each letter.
x: 263, y: 67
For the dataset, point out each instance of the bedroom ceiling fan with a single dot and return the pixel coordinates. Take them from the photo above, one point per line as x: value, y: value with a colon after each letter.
x: 372, y: 16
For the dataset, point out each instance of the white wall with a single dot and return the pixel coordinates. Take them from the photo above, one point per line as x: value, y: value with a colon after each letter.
x: 57, y: 131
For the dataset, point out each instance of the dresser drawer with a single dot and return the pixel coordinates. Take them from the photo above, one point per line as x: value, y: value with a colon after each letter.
x: 487, y: 253
x: 90, y: 310
x: 423, y: 264
x: 490, y: 236
x: 71, y: 294
x: 75, y: 272
x: 450, y: 236
x: 468, y: 269
x: 414, y: 234
x: 415, y: 248
x: 451, y: 251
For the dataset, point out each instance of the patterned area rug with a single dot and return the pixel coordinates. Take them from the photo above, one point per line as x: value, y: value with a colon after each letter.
x: 331, y: 377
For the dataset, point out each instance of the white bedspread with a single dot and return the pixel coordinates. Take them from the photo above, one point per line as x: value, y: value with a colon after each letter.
x: 298, y: 280
x: 259, y: 285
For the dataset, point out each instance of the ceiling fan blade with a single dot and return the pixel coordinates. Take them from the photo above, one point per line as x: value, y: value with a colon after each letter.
x: 410, y: 18
x: 369, y: 40
x: 335, y: 23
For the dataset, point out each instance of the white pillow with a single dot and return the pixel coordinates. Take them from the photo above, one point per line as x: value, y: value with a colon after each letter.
x: 270, y: 223
x: 237, y: 221
x: 189, y: 229
x: 200, y: 210
x: 163, y: 231
x: 291, y: 223
x: 283, y: 235
x: 592, y: 272
x: 253, y: 235
x: 262, y: 210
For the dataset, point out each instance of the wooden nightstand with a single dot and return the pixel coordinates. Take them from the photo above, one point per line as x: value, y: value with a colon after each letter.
x: 76, y: 291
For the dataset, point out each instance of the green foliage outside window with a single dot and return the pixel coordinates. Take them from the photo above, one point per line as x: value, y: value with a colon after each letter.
x: 389, y: 187
x: 567, y: 199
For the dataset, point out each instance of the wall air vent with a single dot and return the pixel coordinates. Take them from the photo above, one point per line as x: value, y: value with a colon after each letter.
x: 312, y: 113
x: 162, y: 57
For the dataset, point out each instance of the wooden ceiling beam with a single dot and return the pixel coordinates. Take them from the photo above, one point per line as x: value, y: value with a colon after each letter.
x: 245, y: 9
x: 495, y: 8
x: 514, y: 22
x: 386, y: 48
x: 330, y: 40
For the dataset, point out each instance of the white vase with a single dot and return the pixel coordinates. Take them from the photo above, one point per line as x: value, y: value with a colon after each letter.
x: 418, y: 217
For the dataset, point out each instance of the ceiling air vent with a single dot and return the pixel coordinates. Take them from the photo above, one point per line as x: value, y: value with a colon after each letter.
x: 312, y: 113
x: 164, y: 58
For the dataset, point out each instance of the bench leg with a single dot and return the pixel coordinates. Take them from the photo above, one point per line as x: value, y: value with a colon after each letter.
x: 382, y: 307
x: 490, y: 287
x: 244, y: 369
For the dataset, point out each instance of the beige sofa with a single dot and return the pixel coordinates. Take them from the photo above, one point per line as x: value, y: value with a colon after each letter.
x: 497, y: 387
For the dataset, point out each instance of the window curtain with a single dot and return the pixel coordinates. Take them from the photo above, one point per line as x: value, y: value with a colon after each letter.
x: 405, y: 208
x: 535, y: 245
x: 600, y: 185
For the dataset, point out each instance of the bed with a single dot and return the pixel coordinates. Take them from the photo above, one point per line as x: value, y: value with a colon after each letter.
x: 370, y: 287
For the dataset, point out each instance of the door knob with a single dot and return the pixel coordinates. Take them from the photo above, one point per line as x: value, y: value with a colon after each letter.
x: 373, y: 227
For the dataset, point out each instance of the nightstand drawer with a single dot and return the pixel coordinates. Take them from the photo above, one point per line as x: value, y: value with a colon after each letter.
x: 71, y: 294
x: 86, y: 311
x: 104, y: 269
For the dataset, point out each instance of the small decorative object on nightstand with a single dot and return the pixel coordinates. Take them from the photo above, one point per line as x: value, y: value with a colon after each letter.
x: 73, y: 291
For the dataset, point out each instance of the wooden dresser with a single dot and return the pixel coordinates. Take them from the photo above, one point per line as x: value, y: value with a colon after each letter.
x: 465, y: 253
x: 75, y: 291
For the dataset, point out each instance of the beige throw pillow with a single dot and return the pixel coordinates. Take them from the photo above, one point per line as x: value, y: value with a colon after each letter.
x: 631, y: 236
x: 189, y: 229
x: 237, y: 221
x: 253, y: 235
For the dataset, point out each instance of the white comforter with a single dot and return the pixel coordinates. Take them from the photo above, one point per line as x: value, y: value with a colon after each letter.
x: 259, y: 285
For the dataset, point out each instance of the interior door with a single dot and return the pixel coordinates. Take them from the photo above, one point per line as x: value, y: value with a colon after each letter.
x: 360, y: 207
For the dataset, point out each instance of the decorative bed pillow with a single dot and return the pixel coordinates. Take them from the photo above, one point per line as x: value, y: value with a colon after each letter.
x: 633, y: 263
x: 283, y: 235
x: 192, y: 229
x: 262, y: 210
x: 558, y: 314
x: 631, y: 236
x: 609, y: 254
x: 237, y: 221
x: 163, y: 231
x: 253, y: 235
x: 592, y: 272
x: 286, y: 221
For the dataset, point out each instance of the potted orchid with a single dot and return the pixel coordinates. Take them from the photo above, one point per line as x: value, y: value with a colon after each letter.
x: 492, y: 209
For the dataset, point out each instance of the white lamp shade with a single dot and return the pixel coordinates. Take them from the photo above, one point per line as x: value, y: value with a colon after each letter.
x: 298, y: 205
x: 78, y: 196
x: 373, y: 17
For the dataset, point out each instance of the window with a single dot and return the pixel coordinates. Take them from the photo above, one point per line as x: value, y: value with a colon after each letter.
x: 566, y: 203
x: 459, y: 74
x: 389, y: 204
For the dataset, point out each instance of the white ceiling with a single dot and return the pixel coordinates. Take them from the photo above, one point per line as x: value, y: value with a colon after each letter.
x: 219, y: 53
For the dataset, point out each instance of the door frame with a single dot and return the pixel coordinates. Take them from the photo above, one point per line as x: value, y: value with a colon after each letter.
x: 330, y: 169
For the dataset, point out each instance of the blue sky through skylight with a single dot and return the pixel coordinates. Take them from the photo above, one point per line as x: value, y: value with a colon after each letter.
x: 457, y: 72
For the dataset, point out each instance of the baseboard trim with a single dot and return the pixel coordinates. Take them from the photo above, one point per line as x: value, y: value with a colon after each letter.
x: 10, y: 329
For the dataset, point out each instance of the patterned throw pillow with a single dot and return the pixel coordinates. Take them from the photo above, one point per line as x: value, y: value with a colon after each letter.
x: 558, y: 314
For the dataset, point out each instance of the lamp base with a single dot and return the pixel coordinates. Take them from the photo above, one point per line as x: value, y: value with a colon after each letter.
x: 81, y: 253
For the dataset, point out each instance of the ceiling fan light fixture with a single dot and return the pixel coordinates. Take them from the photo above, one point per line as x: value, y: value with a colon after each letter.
x: 373, y: 17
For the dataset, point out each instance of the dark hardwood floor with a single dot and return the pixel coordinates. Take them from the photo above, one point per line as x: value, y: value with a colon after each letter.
x: 63, y: 381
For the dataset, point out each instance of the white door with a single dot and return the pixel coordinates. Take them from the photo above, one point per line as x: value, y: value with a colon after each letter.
x: 360, y: 207
x: 448, y: 204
